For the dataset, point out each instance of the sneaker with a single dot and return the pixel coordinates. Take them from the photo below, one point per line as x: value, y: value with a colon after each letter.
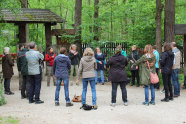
x: 57, y: 104
x: 165, y: 100
x: 113, y: 104
x: 31, y: 101
x: 152, y: 103
x: 69, y: 104
x: 9, y: 93
x: 162, y: 91
x: 171, y: 98
x: 145, y: 103
x: 39, y: 102
x: 175, y: 96
x: 137, y: 85
x: 23, y: 97
x: 125, y: 103
x: 102, y: 84
x: 95, y: 107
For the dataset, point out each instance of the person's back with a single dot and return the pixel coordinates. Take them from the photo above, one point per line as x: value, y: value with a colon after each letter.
x: 177, y: 59
x: 33, y: 58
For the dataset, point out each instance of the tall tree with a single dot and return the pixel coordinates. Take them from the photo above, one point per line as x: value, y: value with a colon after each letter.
x: 159, y: 8
x: 96, y: 15
x: 77, y: 26
x: 169, y: 20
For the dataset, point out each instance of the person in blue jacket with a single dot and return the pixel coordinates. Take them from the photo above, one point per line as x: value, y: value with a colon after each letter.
x: 157, y: 86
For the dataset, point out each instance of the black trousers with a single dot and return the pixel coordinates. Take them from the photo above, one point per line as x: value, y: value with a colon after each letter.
x: 35, y: 86
x: 135, y: 75
x: 7, y: 84
x: 185, y: 82
x: 167, y: 85
x: 25, y: 86
x: 123, y: 90
x: 157, y: 86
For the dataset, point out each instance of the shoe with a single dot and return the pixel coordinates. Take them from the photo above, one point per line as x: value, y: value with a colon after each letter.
x: 165, y: 100
x: 145, y: 103
x: 23, y: 97
x: 9, y: 93
x: 162, y: 91
x: 102, y: 84
x: 95, y: 107
x: 137, y: 85
x: 39, y: 102
x: 171, y: 98
x: 57, y: 104
x: 31, y: 101
x: 152, y: 103
x: 113, y: 104
x: 175, y: 96
x: 125, y: 103
x: 77, y: 84
x: 69, y: 104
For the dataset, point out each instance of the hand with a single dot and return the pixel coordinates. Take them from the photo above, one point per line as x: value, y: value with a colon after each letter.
x: 132, y: 66
x: 78, y: 79
x: 160, y: 70
x: 131, y: 61
x: 54, y: 77
x: 75, y: 53
x: 137, y: 67
x: 19, y: 72
x: 52, y: 56
x: 100, y: 62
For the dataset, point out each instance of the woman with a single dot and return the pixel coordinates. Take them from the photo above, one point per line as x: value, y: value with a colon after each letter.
x: 7, y: 68
x: 100, y: 59
x: 87, y: 69
x: 49, y: 58
x: 118, y: 75
x: 166, y: 63
x: 74, y: 57
x: 61, y: 68
x: 145, y: 74
x: 133, y: 57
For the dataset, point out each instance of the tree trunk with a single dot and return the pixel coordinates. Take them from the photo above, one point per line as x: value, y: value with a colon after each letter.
x: 159, y: 8
x: 96, y: 15
x: 169, y: 20
x: 78, y: 16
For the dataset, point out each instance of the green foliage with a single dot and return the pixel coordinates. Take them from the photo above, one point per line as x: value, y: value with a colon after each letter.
x: 9, y: 120
x: 2, y: 98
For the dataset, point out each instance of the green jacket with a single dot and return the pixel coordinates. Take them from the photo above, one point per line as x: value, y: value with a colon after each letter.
x: 144, y: 70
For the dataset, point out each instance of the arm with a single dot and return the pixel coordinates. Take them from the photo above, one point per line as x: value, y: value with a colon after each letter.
x: 108, y: 63
x: 47, y: 57
x: 10, y: 61
x: 95, y: 65
x: 54, y: 67
x: 163, y: 59
x: 40, y: 56
x: 80, y: 70
x: 19, y: 63
x: 71, y: 56
x: 69, y: 64
x: 139, y: 61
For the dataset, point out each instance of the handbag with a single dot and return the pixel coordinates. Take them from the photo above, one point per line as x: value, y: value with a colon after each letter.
x: 154, y: 79
x: 77, y: 99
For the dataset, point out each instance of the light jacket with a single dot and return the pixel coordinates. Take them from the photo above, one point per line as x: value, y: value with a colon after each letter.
x: 177, y: 58
x: 33, y: 58
x: 124, y: 53
x: 157, y: 58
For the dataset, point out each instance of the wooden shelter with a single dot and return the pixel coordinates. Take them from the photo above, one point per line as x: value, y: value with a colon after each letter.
x: 23, y: 16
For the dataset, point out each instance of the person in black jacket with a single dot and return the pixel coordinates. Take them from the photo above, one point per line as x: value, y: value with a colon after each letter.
x: 23, y: 67
x: 75, y: 58
x: 166, y: 63
x: 133, y: 57
x: 118, y: 75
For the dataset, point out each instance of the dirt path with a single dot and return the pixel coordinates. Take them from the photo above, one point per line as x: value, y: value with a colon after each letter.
x: 162, y: 113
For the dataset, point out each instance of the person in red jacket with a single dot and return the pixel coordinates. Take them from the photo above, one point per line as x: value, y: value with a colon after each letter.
x: 49, y: 58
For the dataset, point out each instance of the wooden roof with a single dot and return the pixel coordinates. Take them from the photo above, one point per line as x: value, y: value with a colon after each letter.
x: 59, y: 32
x: 29, y: 16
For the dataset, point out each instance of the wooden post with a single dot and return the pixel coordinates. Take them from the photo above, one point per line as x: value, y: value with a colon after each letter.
x: 48, y: 35
x: 184, y: 44
x: 22, y: 33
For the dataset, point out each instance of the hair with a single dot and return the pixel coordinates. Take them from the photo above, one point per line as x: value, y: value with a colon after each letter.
x: 134, y: 46
x: 148, y: 49
x: 26, y: 45
x: 20, y: 46
x: 154, y: 47
x: 32, y: 45
x: 96, y: 49
x: 63, y: 50
x: 118, y: 49
x: 72, y: 45
x: 88, y: 52
x: 6, y: 50
x: 168, y: 47
x: 173, y: 44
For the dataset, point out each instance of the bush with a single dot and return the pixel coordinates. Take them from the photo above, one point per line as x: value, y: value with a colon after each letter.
x: 2, y: 98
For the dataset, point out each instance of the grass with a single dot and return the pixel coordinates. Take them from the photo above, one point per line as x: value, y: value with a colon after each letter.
x: 9, y: 120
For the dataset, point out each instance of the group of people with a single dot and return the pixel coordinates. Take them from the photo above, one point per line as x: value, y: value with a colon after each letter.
x: 88, y: 67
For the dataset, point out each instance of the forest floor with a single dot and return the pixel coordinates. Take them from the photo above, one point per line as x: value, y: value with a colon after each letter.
x: 173, y: 112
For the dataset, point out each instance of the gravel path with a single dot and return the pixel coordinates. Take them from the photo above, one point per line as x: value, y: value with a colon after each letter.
x: 173, y: 112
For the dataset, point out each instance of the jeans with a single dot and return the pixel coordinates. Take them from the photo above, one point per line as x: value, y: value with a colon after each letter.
x: 20, y: 80
x: 101, y: 75
x: 147, y: 93
x: 25, y: 86
x: 157, y: 86
x: 7, y: 84
x: 66, y: 86
x: 175, y: 81
x: 49, y: 74
x: 167, y: 85
x: 123, y: 90
x: 35, y: 87
x: 93, y: 88
x: 135, y: 75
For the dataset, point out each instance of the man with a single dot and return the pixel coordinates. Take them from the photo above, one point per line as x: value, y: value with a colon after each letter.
x: 176, y: 69
x: 21, y: 47
x: 61, y: 68
x: 23, y: 67
x: 34, y: 71
x: 157, y: 86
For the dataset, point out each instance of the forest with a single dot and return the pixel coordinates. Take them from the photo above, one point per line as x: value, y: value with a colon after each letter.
x: 128, y: 21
